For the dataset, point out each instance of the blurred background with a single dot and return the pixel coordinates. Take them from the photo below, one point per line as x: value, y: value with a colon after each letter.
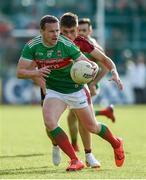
x: 119, y: 27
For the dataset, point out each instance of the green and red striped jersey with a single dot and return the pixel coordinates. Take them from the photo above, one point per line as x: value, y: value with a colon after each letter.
x: 59, y: 58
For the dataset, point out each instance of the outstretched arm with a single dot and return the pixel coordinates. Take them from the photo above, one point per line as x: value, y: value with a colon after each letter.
x: 109, y: 64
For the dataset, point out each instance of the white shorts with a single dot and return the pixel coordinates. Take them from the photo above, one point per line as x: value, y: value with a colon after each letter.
x: 76, y: 100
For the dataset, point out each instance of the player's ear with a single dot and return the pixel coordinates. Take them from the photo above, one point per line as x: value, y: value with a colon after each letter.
x: 61, y: 29
x: 90, y: 30
x: 41, y: 31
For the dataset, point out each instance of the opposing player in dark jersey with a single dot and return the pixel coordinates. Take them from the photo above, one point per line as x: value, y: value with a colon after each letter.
x: 69, y: 27
x: 85, y: 30
x: 54, y: 54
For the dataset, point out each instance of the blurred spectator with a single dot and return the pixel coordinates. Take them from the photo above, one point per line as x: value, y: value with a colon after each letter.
x: 136, y: 72
x: 5, y: 29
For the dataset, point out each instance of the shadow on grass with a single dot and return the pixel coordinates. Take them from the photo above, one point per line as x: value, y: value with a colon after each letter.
x: 31, y: 170
x: 22, y: 155
x: 44, y: 170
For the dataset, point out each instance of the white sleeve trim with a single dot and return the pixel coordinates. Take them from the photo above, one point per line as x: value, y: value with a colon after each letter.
x: 22, y: 58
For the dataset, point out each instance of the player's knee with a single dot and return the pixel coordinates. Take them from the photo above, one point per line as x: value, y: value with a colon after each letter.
x: 50, y: 125
x: 92, y: 128
x: 50, y: 122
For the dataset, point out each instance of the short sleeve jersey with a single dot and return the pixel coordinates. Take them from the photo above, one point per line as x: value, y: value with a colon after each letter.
x: 85, y: 46
x: 59, y: 58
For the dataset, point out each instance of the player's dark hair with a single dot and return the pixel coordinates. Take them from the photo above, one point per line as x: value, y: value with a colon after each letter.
x: 69, y: 20
x: 47, y: 19
x: 85, y: 21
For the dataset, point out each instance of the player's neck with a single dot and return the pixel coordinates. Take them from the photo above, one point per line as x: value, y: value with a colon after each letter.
x: 47, y: 44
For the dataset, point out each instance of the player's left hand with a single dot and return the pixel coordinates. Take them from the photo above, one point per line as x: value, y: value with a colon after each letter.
x: 115, y: 77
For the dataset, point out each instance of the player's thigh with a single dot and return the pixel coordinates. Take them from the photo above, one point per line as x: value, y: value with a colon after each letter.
x: 52, y: 110
x: 71, y: 116
x: 87, y: 118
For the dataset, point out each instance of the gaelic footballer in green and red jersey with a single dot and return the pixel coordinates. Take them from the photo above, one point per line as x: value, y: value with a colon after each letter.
x: 60, y: 59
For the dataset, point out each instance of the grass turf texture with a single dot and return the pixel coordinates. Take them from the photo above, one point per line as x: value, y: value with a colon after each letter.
x: 25, y: 151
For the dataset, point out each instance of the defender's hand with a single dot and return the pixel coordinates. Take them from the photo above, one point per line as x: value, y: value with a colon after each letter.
x: 115, y: 77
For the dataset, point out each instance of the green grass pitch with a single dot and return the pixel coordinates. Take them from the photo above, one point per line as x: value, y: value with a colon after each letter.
x: 25, y: 150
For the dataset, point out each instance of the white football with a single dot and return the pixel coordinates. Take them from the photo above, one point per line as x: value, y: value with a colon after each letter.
x: 82, y: 72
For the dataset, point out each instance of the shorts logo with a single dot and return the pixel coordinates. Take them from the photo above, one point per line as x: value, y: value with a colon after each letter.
x: 83, y: 102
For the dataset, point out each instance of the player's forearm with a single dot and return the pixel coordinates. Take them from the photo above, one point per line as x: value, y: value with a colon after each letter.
x: 105, y: 60
x: 111, y: 67
x: 109, y: 64
x: 103, y: 71
x: 26, y: 74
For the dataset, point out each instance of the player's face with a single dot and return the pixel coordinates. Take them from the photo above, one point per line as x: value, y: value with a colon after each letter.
x: 84, y: 30
x: 70, y: 33
x: 51, y: 33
